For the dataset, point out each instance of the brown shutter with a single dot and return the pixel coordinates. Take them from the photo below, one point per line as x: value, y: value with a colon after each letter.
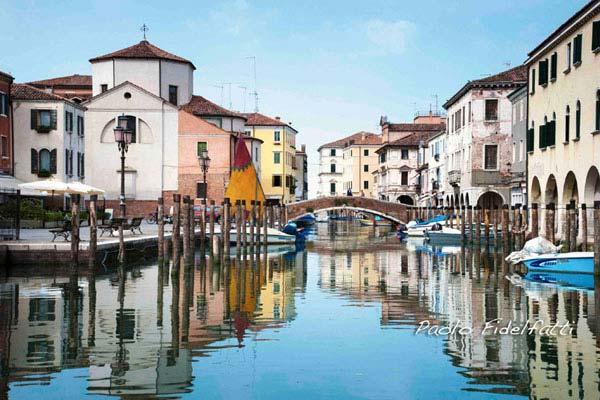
x: 82, y: 165
x: 66, y: 161
x: 34, y: 115
x: 53, y: 119
x: 53, y: 158
x: 34, y: 161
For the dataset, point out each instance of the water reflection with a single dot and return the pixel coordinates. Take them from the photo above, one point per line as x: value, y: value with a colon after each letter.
x: 153, y: 330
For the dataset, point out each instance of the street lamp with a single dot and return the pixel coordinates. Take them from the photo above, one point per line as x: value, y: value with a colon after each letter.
x: 123, y: 138
x: 204, y: 161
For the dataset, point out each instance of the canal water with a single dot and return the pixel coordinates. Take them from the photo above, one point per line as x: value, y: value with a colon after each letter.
x: 338, y: 319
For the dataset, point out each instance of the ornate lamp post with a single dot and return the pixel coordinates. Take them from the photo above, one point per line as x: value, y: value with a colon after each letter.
x: 123, y: 138
x: 204, y: 161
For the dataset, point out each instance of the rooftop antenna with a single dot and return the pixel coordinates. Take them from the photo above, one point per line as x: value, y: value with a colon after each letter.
x: 144, y: 29
x: 220, y: 87
x: 254, y: 93
x: 507, y: 64
x: 245, y: 94
x: 435, y: 96
x: 228, y: 84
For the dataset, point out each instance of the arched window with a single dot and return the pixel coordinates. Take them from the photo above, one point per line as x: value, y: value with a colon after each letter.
x: 567, y: 124
x: 44, y: 160
x: 598, y: 110
x: 578, y: 120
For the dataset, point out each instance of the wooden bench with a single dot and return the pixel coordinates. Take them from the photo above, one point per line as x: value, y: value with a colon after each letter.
x: 111, y: 227
x: 134, y: 225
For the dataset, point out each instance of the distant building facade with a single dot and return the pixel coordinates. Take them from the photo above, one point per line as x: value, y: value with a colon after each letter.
x: 301, y: 174
x: 76, y: 88
x: 518, y: 189
x: 6, y: 126
x: 331, y: 169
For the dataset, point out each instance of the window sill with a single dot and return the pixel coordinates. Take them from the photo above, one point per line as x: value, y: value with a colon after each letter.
x: 530, y: 152
x: 575, y: 139
x: 552, y: 80
x: 566, y: 71
x: 566, y: 142
x: 542, y: 148
x: 490, y: 121
x: 551, y: 147
x: 577, y: 64
x: 596, y: 50
x: 544, y: 84
x: 4, y: 115
x: 594, y: 133
x: 43, y: 130
x: 277, y: 143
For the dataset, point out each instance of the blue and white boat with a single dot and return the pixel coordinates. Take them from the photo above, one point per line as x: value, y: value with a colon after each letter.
x: 563, y: 279
x: 575, y: 263
x: 418, y: 228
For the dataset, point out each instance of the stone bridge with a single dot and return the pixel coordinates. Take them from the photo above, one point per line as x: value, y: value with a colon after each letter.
x: 394, y: 212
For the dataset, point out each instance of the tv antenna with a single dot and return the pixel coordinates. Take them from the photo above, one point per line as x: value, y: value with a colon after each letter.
x: 435, y: 96
x: 220, y: 87
x: 254, y: 93
x: 245, y: 94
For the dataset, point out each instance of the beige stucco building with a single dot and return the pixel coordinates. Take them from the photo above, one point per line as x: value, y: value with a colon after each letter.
x: 564, y: 113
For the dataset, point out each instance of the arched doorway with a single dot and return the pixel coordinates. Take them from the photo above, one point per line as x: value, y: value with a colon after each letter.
x: 536, y: 191
x: 490, y: 200
x: 551, y: 192
x: 570, y: 190
x: 592, y: 187
x: 404, y: 199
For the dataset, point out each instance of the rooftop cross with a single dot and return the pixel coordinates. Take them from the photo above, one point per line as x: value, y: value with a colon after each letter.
x: 144, y: 29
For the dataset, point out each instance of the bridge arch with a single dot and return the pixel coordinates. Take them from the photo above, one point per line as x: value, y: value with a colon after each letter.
x: 392, y: 211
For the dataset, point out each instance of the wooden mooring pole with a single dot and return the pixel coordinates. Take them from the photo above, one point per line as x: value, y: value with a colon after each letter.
x: 597, y: 238
x: 160, y: 220
x: 478, y: 225
x: 550, y: 222
x: 93, y: 231
x: 470, y: 222
x: 535, y: 220
x: 584, y: 227
x: 186, y: 227
x: 176, y: 227
x: 238, y: 225
x: 573, y: 223
x: 462, y: 224
x: 211, y: 221
x: 226, y: 225
x: 505, y: 230
x: 75, y: 229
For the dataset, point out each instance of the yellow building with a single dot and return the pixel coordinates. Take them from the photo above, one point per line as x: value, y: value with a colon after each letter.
x: 278, y: 156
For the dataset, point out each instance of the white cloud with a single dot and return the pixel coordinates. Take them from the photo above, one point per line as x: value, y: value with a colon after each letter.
x: 389, y: 36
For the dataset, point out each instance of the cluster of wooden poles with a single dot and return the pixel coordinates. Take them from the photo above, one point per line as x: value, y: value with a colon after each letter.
x: 251, y: 226
x: 511, y: 226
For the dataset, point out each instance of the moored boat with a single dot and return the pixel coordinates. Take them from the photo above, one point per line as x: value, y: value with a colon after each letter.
x: 444, y: 235
x: 576, y: 262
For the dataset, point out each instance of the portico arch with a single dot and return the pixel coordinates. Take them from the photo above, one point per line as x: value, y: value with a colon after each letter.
x: 570, y: 190
x: 592, y: 186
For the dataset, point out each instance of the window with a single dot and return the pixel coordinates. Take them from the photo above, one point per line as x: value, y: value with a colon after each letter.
x: 80, y: 126
x: 44, y: 160
x: 68, y: 121
x: 277, y: 136
x: 491, y: 156
x: 201, y: 190
x: 543, y: 67
x: 42, y: 309
x: 332, y: 168
x: 276, y: 181
x: 332, y: 188
x: 491, y: 110
x: 366, y: 168
x: 276, y: 157
x: 365, y: 184
x: 4, y: 146
x: 533, y: 81
x: 553, y: 66
x: 469, y: 111
x: 521, y: 151
x: 382, y: 157
x: 200, y: 147
x: 568, y: 54
x: 3, y: 104
x: 567, y: 123
x: 551, y: 131
x: 131, y: 125
x: 577, y: 42
x: 596, y: 36
x: 43, y: 121
x: 597, y: 125
x: 404, y: 154
x: 103, y: 88
x: 531, y: 137
x: 404, y: 178
x: 366, y: 152
x: 173, y: 94
x: 578, y: 120
x: 332, y: 152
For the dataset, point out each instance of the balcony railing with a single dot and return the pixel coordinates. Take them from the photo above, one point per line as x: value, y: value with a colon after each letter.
x: 454, y: 177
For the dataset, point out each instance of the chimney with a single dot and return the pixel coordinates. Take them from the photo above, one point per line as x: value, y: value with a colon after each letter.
x: 363, y: 135
x: 278, y: 118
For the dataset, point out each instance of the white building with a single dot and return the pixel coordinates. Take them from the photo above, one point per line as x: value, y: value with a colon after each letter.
x: 301, y: 174
x: 437, y: 184
x: 49, y: 136
x: 331, y: 169
x: 146, y: 84
x: 479, y: 143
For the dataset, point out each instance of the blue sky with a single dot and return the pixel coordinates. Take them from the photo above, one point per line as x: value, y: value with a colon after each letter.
x: 330, y: 67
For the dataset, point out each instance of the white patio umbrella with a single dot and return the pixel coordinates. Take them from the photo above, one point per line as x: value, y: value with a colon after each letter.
x: 47, y: 185
x: 82, y: 188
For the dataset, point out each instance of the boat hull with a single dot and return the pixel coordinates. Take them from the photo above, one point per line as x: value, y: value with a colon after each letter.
x: 575, y: 263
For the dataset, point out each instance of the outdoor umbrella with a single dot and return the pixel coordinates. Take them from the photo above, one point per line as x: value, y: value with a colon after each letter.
x: 82, y: 188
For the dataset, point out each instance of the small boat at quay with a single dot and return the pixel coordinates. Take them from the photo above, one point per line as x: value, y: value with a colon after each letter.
x: 274, y: 236
x: 418, y: 228
x: 445, y: 235
x: 305, y: 220
x: 575, y: 263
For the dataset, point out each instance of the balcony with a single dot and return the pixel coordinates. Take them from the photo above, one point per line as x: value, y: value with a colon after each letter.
x: 454, y: 177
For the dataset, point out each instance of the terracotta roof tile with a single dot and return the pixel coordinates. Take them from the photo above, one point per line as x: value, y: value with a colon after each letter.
x: 70, y: 80
x: 358, y: 138
x: 413, y: 140
x: 6, y: 76
x: 410, y: 127
x: 22, y: 91
x: 263, y: 120
x: 201, y: 106
x: 510, y: 78
x: 145, y: 50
